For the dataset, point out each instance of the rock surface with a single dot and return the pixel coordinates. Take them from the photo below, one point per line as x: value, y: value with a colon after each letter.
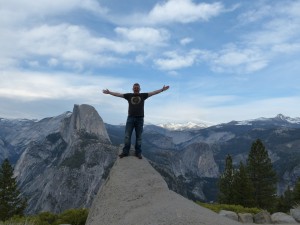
x: 280, y: 217
x: 229, y: 214
x: 65, y: 166
x: 262, y: 217
x: 135, y: 193
x: 245, y: 218
x: 296, y: 214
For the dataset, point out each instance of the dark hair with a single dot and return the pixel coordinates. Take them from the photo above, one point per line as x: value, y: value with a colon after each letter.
x: 136, y: 84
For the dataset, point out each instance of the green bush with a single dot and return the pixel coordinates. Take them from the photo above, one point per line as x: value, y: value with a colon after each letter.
x: 46, y: 218
x: 20, y: 220
x: 234, y: 208
x: 73, y: 216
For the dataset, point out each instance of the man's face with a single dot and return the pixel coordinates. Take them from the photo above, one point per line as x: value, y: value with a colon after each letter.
x: 136, y: 89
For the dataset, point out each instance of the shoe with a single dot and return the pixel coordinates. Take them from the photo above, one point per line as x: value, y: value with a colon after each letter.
x: 123, y: 155
x: 139, y: 156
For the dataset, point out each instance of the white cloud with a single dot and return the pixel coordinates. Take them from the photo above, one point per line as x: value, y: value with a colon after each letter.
x: 175, y: 11
x: 75, y: 47
x: 286, y: 48
x: 19, y: 12
x: 256, y: 14
x: 252, y: 109
x: 183, y: 11
x: 71, y: 45
x: 174, y: 60
x: 270, y: 10
x: 229, y: 59
x: 239, y: 60
x: 30, y: 86
x: 216, y: 112
x: 63, y: 38
x: 27, y: 40
x: 275, y: 31
x: 53, y: 62
x: 144, y: 35
x: 186, y: 41
x: 278, y: 30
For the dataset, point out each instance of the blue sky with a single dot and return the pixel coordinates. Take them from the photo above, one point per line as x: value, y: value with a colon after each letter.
x: 224, y: 60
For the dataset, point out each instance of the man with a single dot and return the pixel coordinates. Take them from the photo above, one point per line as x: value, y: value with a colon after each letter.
x: 135, y: 119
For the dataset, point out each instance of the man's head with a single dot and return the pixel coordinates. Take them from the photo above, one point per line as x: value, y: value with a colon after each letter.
x: 136, y: 88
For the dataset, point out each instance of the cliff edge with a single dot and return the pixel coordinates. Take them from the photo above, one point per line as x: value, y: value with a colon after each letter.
x: 135, y: 194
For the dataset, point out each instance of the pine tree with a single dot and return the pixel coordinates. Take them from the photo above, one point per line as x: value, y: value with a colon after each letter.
x: 10, y: 201
x: 262, y: 175
x: 243, y: 188
x: 286, y: 201
x: 296, y: 193
x: 226, y: 183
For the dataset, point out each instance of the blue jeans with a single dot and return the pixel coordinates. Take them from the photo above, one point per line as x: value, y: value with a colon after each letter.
x: 137, y: 123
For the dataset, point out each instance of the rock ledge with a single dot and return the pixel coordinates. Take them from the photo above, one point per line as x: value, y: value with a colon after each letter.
x: 135, y: 193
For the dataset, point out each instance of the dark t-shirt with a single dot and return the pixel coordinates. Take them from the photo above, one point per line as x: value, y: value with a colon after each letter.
x: 136, y: 103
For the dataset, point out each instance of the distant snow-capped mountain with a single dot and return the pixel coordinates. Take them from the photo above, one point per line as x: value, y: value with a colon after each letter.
x: 183, y: 126
x: 288, y: 119
x: 280, y: 119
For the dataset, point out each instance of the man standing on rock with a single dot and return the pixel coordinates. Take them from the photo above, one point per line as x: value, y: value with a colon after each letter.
x: 135, y: 119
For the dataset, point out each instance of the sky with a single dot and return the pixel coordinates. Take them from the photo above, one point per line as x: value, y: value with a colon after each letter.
x: 223, y: 60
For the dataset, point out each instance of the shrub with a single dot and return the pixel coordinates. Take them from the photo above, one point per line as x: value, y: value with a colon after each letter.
x: 73, y: 216
x: 20, y: 220
x: 46, y: 218
x: 234, y: 208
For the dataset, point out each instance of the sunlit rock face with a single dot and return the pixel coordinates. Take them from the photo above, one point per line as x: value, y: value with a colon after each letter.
x: 136, y: 194
x: 84, y: 119
x: 65, y: 168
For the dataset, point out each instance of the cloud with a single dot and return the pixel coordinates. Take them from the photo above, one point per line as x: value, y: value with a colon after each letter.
x: 277, y: 31
x: 186, y: 41
x: 74, y: 47
x: 183, y: 11
x: 19, y: 12
x: 238, y: 60
x: 173, y: 60
x: 286, y: 47
x: 274, y: 34
x: 255, y: 14
x: 266, y: 107
x: 229, y: 59
x: 32, y: 36
x: 222, y: 109
x: 33, y: 86
x: 28, y: 94
x: 176, y: 11
x: 144, y: 35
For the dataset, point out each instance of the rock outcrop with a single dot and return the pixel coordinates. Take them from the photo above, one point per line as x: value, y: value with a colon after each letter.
x: 136, y: 194
x: 296, y: 214
x: 84, y: 118
x: 65, y: 167
x: 281, y: 218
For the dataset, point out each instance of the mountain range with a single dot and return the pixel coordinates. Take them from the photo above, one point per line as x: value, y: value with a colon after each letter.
x: 191, y: 160
x: 62, y: 161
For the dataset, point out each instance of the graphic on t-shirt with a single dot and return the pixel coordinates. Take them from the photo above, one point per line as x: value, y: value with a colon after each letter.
x: 135, y: 100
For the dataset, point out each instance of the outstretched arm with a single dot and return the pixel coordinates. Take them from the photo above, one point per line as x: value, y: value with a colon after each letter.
x: 158, y: 91
x: 106, y: 91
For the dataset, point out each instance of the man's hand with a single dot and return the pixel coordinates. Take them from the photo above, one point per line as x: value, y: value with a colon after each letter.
x: 158, y: 91
x: 106, y: 91
x: 165, y: 88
